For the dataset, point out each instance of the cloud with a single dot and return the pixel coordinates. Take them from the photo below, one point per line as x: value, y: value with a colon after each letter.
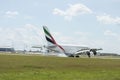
x: 28, y: 17
x: 0, y: 29
x: 73, y: 10
x: 79, y: 38
x: 110, y: 33
x: 108, y: 19
x: 82, y: 33
x: 28, y: 34
x: 11, y: 14
x: 111, y: 42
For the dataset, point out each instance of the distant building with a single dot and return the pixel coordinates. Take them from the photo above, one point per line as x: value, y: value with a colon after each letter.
x: 108, y: 54
x: 6, y: 49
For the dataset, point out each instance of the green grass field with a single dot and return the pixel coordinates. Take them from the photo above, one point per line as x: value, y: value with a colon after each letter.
x: 22, y: 67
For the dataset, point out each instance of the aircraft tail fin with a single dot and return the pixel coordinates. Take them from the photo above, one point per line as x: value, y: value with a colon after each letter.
x: 51, y: 41
x: 48, y: 36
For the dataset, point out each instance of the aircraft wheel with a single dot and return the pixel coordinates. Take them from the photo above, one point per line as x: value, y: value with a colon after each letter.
x: 77, y: 56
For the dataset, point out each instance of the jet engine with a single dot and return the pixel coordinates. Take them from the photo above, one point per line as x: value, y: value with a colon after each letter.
x: 94, y: 51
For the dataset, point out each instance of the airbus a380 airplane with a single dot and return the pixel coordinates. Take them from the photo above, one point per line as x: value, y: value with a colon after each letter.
x: 68, y: 50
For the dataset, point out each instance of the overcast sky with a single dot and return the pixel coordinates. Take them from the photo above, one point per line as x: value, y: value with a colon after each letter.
x: 94, y: 23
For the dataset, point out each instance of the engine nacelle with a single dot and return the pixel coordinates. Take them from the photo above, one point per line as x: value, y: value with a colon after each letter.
x: 94, y: 51
x: 72, y: 55
x: 88, y: 53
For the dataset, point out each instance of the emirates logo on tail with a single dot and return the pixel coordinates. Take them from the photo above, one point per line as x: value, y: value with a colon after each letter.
x: 50, y: 39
